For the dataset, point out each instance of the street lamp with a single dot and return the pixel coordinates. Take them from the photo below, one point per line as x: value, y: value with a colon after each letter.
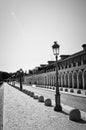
x: 20, y: 77
x: 57, y: 107
x: 13, y: 78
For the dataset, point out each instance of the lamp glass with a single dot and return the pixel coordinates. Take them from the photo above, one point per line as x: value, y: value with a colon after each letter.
x: 21, y: 71
x: 56, y: 51
x: 55, y: 48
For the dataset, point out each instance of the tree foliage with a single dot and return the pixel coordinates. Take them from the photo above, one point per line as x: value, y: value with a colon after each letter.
x: 4, y: 75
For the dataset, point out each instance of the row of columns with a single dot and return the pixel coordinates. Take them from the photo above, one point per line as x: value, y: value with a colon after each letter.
x: 75, y: 79
x: 71, y: 79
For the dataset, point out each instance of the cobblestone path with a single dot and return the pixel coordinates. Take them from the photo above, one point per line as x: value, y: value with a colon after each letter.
x: 22, y: 112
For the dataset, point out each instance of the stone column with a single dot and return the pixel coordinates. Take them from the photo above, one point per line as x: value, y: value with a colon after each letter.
x: 68, y: 81
x: 64, y: 79
x: 73, y: 79
x: 77, y: 81
x: 47, y: 80
x: 84, y: 79
x: 61, y: 80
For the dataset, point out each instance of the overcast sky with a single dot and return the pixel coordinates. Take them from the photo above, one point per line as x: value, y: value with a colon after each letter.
x: 28, y: 29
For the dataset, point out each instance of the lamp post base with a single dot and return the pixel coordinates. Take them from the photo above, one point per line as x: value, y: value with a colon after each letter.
x: 20, y: 87
x: 58, y: 108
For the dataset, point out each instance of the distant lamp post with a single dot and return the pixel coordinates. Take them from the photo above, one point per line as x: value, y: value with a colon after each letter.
x: 57, y: 107
x: 13, y: 80
x: 20, y: 78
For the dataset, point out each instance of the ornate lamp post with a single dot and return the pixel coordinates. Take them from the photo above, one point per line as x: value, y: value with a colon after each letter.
x: 20, y: 75
x: 13, y: 78
x: 57, y: 107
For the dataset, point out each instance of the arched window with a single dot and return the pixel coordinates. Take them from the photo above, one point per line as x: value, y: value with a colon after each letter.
x: 45, y: 80
x: 84, y: 76
x: 66, y: 79
x: 62, y: 80
x: 59, y: 80
x: 70, y: 79
x: 75, y: 79
x: 80, y: 81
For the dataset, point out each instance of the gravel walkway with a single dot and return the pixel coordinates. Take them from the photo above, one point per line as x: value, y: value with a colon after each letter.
x: 22, y: 112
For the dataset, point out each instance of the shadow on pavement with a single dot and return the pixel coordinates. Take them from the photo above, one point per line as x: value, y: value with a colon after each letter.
x: 63, y: 112
x: 81, y: 121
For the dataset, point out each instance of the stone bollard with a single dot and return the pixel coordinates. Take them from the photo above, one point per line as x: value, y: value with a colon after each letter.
x: 41, y: 99
x: 48, y: 102
x: 35, y: 97
x: 24, y: 90
x: 31, y: 94
x: 75, y: 115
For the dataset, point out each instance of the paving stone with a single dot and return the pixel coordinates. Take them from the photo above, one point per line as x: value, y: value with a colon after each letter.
x: 21, y: 112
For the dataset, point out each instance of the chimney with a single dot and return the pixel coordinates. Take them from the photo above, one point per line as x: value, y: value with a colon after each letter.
x: 84, y: 47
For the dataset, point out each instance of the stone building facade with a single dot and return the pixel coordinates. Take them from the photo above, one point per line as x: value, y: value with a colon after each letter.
x: 71, y: 72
